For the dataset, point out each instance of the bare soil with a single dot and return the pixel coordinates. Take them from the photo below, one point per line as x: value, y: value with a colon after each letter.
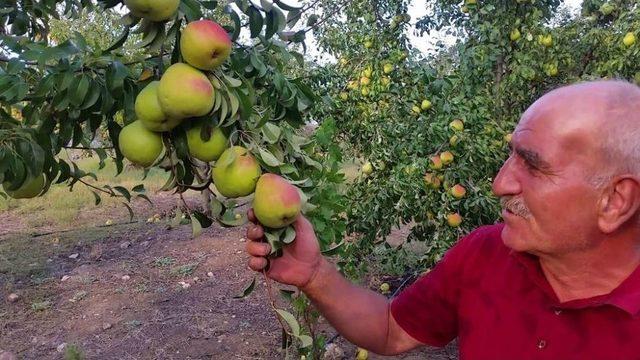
x: 139, y: 291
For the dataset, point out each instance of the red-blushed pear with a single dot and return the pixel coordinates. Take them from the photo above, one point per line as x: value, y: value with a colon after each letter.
x: 454, y: 220
x: 140, y: 145
x: 457, y: 125
x: 29, y: 189
x: 185, y: 91
x: 446, y: 157
x: 276, y: 203
x: 431, y: 181
x: 236, y: 172
x: 148, y: 110
x: 154, y: 10
x: 210, y: 149
x: 205, y: 44
x: 458, y: 191
x: 436, y: 163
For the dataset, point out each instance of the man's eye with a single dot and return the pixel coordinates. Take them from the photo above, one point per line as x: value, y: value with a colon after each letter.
x: 530, y: 166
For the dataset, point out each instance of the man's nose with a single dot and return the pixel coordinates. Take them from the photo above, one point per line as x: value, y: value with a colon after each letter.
x: 506, y: 182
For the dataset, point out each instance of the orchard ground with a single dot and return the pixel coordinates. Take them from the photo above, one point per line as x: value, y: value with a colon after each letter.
x: 136, y: 290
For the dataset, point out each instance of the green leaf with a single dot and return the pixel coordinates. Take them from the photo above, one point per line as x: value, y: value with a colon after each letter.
x: 333, y: 250
x: 96, y: 196
x: 291, y: 321
x: 196, y: 228
x: 236, y: 21
x: 286, y: 7
x: 287, y: 294
x: 271, y: 132
x: 123, y: 191
x: 204, y: 221
x: 216, y: 207
x: 255, y: 21
x: 210, y: 5
x: 247, y: 289
x: 235, y: 104
x: 232, y: 81
x: 269, y: 158
x: 131, y: 216
x: 289, y: 235
x: 81, y: 91
x: 266, y: 5
x: 231, y: 218
x: 305, y: 341
x: 272, y: 24
x: 120, y: 41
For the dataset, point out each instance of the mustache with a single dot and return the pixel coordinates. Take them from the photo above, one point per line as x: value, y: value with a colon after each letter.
x: 515, y: 205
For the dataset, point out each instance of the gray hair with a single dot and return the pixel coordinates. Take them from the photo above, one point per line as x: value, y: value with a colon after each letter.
x: 620, y: 132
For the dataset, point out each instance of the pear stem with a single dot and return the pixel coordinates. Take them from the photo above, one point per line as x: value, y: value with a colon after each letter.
x: 272, y: 301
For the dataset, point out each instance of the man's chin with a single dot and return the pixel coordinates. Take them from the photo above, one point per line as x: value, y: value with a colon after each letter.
x: 513, y: 240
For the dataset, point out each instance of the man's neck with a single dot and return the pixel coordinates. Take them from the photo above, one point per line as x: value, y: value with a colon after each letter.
x: 592, y: 272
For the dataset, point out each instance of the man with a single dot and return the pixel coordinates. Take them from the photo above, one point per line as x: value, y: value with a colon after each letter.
x: 559, y: 279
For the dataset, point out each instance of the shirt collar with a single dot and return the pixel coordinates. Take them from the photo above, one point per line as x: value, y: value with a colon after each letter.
x: 625, y: 297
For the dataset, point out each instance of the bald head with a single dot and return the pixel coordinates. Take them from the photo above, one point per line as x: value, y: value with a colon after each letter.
x: 597, y: 120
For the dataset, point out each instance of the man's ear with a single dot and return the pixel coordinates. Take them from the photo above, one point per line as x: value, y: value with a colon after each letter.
x: 619, y: 203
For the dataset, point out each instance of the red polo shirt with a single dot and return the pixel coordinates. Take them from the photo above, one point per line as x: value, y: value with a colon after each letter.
x: 500, y: 306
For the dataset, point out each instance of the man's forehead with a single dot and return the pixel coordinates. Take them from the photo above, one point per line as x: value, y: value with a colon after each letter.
x: 560, y: 123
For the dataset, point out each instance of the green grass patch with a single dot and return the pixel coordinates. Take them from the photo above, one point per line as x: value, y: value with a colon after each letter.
x: 184, y: 270
x: 164, y: 261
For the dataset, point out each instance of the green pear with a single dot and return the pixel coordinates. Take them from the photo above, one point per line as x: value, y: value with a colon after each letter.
x: 140, y: 145
x: 205, y: 44
x: 29, y: 189
x: 148, y: 110
x: 154, y: 10
x: 236, y: 172
x: 209, y: 150
x: 185, y: 91
x: 629, y: 39
x: 277, y: 203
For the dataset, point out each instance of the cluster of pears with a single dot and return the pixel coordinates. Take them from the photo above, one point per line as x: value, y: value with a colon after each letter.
x: 437, y: 162
x: 184, y: 91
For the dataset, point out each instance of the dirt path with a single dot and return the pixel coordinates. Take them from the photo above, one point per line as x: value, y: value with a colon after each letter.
x: 137, y: 291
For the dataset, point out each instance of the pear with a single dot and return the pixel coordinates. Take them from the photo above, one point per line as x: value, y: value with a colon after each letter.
x: 209, y: 150
x: 205, y: 44
x: 140, y: 145
x: 149, y: 111
x: 629, y: 39
x: 185, y: 91
x: 454, y: 220
x: 154, y: 10
x: 29, y: 189
x: 236, y: 172
x: 277, y: 203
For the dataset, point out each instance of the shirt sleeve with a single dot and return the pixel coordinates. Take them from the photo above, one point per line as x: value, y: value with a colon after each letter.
x: 428, y: 309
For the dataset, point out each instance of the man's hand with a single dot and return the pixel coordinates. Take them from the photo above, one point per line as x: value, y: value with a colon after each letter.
x: 300, y: 260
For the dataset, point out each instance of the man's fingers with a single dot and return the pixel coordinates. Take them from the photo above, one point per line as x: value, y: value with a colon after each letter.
x: 258, y: 263
x: 255, y: 232
x: 258, y: 249
x: 252, y: 216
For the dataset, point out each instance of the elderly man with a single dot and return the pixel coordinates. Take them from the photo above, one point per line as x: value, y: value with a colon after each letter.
x: 559, y: 279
